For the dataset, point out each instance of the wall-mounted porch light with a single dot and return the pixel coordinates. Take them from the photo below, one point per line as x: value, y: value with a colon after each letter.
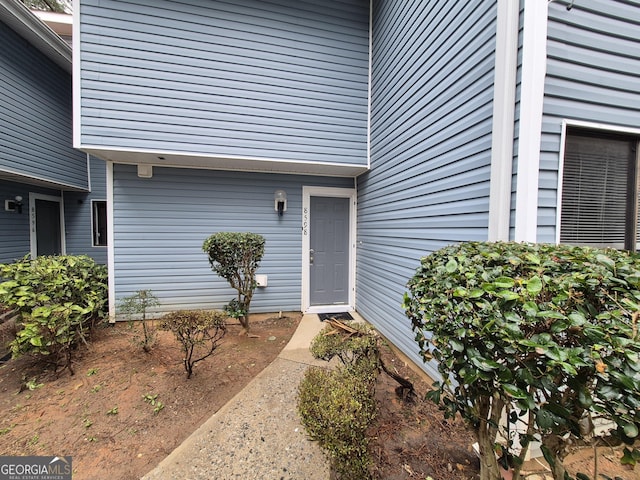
x: 280, y: 199
x: 14, y: 205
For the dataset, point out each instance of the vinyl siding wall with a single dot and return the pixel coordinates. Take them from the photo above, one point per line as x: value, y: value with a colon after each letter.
x: 428, y: 186
x: 78, y: 214
x: 593, y: 75
x: 161, y: 223
x: 14, y: 227
x: 35, y: 116
x: 281, y: 79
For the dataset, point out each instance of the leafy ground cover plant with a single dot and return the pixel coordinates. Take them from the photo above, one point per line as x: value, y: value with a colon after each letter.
x: 59, y: 298
x: 235, y: 256
x: 137, y: 305
x: 199, y: 332
x: 337, y: 406
x: 547, y: 334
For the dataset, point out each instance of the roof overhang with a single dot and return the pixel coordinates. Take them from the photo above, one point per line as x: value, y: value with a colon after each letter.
x: 20, y: 19
x: 17, y: 177
x: 265, y: 165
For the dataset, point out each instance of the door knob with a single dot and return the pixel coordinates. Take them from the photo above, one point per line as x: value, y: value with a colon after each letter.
x: 311, y: 252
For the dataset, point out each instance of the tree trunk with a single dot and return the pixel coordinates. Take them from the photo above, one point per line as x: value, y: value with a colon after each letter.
x: 555, y: 446
x: 487, y: 430
x: 489, y: 469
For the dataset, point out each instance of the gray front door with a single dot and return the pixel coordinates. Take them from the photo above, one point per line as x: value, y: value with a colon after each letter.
x: 48, y: 232
x: 329, y: 255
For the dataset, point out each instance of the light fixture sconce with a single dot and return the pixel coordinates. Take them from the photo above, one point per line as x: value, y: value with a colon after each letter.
x: 145, y: 171
x: 14, y: 205
x: 280, y: 199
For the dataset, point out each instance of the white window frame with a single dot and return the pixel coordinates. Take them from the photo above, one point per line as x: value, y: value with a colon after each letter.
x: 93, y: 225
x: 593, y: 126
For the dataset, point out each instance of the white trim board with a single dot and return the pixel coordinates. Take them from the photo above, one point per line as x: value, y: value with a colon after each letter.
x: 209, y: 161
x: 75, y: 77
x: 504, y: 106
x: 307, y: 193
x: 534, y: 68
x: 111, y: 265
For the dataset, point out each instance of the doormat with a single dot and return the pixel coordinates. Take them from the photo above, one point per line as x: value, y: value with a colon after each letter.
x: 335, y: 316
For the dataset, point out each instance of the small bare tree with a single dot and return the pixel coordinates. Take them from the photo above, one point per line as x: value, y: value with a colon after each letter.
x: 137, y: 305
x: 198, y: 331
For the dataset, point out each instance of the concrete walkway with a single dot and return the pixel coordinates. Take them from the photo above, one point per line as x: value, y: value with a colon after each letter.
x: 257, y: 434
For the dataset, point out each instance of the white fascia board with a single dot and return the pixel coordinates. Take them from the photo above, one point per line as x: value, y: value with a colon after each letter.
x: 61, y: 23
x: 37, y: 33
x: 21, y: 177
x: 231, y: 163
x: 534, y: 67
x: 504, y: 106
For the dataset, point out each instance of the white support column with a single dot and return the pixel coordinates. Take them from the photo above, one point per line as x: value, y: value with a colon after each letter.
x: 534, y: 67
x: 504, y: 96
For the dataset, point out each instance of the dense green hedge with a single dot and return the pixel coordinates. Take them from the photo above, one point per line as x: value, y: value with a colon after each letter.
x: 545, y: 333
x: 59, y: 298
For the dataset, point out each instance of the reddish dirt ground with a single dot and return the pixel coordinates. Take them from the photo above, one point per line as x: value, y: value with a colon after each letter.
x: 100, y: 415
x: 77, y: 415
x: 412, y: 440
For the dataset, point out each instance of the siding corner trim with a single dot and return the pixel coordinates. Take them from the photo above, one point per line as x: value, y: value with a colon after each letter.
x: 534, y: 67
x: 504, y: 93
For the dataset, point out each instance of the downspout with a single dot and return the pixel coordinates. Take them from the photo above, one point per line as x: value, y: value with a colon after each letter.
x: 75, y: 77
x: 504, y: 106
x: 110, y: 246
x: 534, y: 67
x: 369, y: 86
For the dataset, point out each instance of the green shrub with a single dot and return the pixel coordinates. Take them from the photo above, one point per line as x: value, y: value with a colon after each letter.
x: 336, y: 408
x: 543, y: 333
x: 198, y: 331
x: 235, y: 257
x: 136, y: 305
x: 59, y: 298
x: 349, y: 348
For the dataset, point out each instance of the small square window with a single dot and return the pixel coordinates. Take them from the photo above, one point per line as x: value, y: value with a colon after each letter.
x: 99, y: 221
x: 600, y: 190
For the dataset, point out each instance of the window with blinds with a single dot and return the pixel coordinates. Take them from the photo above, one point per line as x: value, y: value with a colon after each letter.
x: 599, y: 190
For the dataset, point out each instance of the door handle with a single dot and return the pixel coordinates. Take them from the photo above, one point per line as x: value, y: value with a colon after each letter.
x: 311, y: 252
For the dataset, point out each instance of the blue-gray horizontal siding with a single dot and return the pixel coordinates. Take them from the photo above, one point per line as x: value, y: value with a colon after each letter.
x: 78, y: 214
x: 15, y: 240
x: 284, y: 79
x: 36, y: 116
x: 14, y: 227
x: 428, y: 186
x: 161, y: 223
x: 593, y: 74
